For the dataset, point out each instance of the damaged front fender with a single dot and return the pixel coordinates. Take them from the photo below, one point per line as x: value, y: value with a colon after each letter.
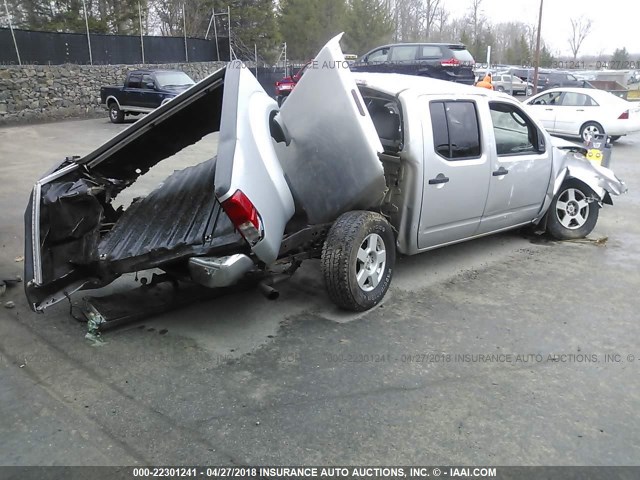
x: 569, y: 161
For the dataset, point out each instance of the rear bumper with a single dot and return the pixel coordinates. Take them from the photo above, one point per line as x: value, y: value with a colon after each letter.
x: 214, y: 272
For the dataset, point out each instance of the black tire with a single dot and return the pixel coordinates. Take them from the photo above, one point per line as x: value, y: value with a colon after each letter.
x: 340, y: 263
x: 572, y: 228
x: 500, y: 88
x: 592, y: 127
x: 115, y: 114
x: 282, y: 99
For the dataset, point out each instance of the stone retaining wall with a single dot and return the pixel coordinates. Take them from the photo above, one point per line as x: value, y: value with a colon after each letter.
x: 51, y: 92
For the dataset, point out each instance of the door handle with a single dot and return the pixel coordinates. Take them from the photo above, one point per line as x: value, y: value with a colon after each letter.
x: 580, y: 110
x: 500, y: 172
x: 548, y: 109
x: 440, y: 178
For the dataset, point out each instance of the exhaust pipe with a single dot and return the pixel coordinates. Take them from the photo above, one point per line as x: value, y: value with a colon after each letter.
x: 266, y: 285
x: 268, y: 291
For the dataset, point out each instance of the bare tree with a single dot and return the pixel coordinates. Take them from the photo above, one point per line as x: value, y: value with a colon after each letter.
x: 580, y: 28
x: 441, y: 19
x: 429, y: 13
x: 475, y: 18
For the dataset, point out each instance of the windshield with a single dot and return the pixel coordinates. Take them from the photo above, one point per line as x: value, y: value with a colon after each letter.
x: 173, y: 79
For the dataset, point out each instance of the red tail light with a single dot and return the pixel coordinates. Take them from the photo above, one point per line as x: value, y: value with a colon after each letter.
x: 452, y: 62
x: 244, y: 216
x: 624, y: 115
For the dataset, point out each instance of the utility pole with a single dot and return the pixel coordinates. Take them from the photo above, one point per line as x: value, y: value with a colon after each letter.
x: 141, y: 37
x: 537, y: 65
x: 15, y: 44
x: 86, y: 23
x: 184, y: 30
x: 229, y: 21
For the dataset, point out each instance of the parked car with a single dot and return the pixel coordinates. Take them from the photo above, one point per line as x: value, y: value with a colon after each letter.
x: 506, y: 82
x: 444, y: 61
x: 286, y: 85
x: 555, y: 79
x: 385, y: 163
x: 143, y: 90
x: 583, y: 112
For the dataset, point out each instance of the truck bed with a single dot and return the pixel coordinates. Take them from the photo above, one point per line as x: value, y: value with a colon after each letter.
x: 180, y: 218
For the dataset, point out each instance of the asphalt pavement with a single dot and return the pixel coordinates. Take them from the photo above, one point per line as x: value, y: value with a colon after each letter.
x: 508, y: 350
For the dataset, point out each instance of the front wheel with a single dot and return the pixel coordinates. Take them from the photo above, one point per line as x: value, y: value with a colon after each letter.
x: 358, y: 258
x: 573, y: 212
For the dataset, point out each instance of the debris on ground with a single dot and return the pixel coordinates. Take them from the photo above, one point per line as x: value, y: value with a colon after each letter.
x: 19, y: 258
x: 600, y: 242
x: 9, y: 304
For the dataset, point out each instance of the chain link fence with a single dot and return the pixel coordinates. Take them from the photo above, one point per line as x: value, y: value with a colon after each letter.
x: 52, y: 48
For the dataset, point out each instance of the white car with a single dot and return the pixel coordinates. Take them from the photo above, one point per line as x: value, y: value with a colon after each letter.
x: 583, y: 112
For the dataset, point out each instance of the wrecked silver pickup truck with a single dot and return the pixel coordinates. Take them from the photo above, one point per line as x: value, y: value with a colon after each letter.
x: 351, y: 169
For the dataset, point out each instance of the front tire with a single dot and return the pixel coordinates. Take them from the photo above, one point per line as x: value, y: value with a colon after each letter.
x: 358, y: 258
x: 571, y: 214
x: 115, y: 114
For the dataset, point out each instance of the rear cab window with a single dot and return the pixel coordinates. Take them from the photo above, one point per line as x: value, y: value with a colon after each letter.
x: 456, y: 129
x: 135, y: 80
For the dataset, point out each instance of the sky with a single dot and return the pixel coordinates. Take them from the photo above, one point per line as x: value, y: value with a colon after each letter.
x: 615, y: 22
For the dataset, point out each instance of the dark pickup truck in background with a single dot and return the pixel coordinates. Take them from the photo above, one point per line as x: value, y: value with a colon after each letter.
x: 143, y: 90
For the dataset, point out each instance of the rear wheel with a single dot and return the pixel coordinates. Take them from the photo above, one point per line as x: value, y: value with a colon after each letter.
x: 572, y: 214
x: 590, y: 129
x: 115, y: 114
x: 500, y: 88
x: 358, y: 259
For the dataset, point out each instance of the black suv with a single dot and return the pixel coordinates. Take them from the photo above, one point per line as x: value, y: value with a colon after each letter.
x: 444, y: 61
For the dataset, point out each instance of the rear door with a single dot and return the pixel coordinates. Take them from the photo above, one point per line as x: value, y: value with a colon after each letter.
x: 575, y: 109
x: 520, y: 169
x: 428, y: 59
x: 456, y: 172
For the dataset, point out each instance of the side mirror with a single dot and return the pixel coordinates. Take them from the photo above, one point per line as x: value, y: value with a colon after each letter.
x: 150, y: 85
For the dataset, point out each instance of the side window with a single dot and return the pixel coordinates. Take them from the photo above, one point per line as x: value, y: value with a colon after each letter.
x: 429, y: 51
x: 134, y: 81
x: 515, y: 134
x: 379, y: 55
x: 572, y: 78
x: 552, y: 98
x: 146, y: 78
x: 571, y: 99
x: 456, y: 133
x: 403, y: 53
